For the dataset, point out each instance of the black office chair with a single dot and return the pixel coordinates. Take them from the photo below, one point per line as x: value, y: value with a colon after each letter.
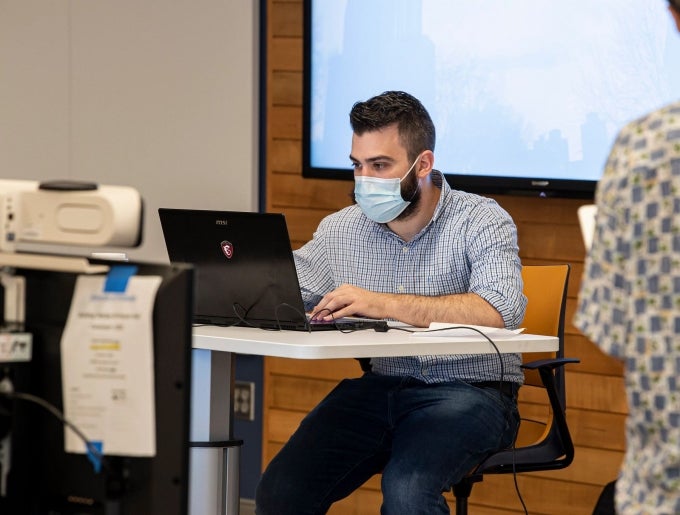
x: 546, y: 290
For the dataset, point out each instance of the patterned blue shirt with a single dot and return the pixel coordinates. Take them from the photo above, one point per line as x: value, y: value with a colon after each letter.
x: 470, y: 245
x: 629, y: 302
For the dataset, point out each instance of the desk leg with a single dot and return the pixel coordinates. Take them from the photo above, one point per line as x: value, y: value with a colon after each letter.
x: 215, y: 455
x: 214, y: 480
x: 231, y: 459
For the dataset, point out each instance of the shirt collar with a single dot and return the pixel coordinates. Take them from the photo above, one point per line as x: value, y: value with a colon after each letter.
x: 439, y: 181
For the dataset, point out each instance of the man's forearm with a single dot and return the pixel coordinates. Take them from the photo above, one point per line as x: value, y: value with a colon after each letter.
x: 463, y: 308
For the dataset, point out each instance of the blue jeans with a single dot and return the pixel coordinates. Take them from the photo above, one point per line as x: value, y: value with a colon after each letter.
x: 423, y: 438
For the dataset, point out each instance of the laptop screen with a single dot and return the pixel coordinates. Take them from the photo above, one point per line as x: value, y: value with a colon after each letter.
x: 245, y: 272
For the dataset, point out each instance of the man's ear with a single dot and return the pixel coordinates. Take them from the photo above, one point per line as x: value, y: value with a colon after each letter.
x: 426, y: 163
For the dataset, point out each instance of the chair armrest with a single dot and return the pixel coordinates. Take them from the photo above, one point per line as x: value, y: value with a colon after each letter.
x: 549, y: 363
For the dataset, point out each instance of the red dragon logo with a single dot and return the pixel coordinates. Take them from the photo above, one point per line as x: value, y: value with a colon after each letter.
x: 227, y: 249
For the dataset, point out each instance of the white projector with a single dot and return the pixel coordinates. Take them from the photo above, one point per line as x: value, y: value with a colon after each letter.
x: 69, y: 213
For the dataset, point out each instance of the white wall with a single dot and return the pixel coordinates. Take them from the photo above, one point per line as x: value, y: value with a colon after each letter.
x: 161, y: 95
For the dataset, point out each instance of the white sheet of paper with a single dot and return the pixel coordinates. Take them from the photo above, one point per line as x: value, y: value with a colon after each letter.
x: 443, y: 329
x: 107, y: 366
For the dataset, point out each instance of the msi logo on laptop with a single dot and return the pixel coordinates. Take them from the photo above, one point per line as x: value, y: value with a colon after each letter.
x: 227, y: 249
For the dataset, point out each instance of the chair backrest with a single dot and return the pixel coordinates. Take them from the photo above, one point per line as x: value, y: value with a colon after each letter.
x: 545, y: 287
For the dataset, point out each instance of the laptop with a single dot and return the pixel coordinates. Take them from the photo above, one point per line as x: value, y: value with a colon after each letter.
x: 244, y: 270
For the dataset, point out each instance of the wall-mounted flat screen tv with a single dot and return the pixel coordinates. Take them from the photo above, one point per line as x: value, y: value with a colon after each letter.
x: 527, y: 96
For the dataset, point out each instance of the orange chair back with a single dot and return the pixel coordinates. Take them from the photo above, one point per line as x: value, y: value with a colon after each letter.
x: 544, y: 288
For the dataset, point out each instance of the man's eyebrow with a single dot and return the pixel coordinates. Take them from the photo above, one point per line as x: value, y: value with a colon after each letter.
x: 373, y: 159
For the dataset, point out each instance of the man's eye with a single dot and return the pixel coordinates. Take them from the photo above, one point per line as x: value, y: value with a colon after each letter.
x: 355, y: 166
x: 379, y: 166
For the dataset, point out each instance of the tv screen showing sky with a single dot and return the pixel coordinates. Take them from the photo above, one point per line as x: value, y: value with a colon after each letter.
x: 520, y: 88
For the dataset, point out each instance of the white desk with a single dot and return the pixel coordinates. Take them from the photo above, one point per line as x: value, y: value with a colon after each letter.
x: 214, y: 486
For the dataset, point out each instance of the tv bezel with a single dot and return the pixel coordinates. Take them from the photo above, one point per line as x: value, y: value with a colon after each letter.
x: 482, y: 184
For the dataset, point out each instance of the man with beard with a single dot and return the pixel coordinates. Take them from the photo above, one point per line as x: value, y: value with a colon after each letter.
x: 414, y: 250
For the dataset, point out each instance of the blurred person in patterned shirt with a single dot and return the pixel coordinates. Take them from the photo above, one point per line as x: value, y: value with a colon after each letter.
x: 629, y: 303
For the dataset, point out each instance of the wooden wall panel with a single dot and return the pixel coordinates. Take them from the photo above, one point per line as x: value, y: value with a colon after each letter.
x: 593, y: 360
x: 318, y: 368
x: 597, y: 429
x: 285, y: 18
x: 292, y: 191
x: 285, y: 157
x: 287, y: 88
x: 287, y: 54
x: 285, y: 121
x: 548, y: 233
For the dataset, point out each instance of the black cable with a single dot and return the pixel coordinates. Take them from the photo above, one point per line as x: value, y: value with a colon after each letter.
x: 242, y: 318
x: 514, y: 465
x: 241, y: 314
x: 500, y: 388
x: 448, y: 328
x: 244, y: 321
x: 302, y: 315
x: 514, y: 479
x: 60, y: 416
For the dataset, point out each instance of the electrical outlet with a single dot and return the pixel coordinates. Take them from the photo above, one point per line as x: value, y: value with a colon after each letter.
x: 244, y: 400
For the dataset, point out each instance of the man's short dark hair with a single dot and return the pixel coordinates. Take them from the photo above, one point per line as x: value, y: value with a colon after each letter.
x: 675, y: 4
x: 414, y: 124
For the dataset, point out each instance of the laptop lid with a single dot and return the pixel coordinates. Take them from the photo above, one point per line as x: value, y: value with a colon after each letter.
x: 244, y: 268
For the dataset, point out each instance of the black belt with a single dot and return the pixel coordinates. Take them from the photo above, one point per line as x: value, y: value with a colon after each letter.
x: 505, y: 387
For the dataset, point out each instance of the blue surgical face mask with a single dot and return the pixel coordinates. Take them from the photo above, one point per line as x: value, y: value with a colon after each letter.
x: 380, y: 199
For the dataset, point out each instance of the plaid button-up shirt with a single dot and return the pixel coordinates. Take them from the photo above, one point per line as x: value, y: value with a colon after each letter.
x: 470, y: 245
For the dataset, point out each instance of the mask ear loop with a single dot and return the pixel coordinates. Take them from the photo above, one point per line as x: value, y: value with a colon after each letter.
x: 412, y: 167
x: 406, y: 175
